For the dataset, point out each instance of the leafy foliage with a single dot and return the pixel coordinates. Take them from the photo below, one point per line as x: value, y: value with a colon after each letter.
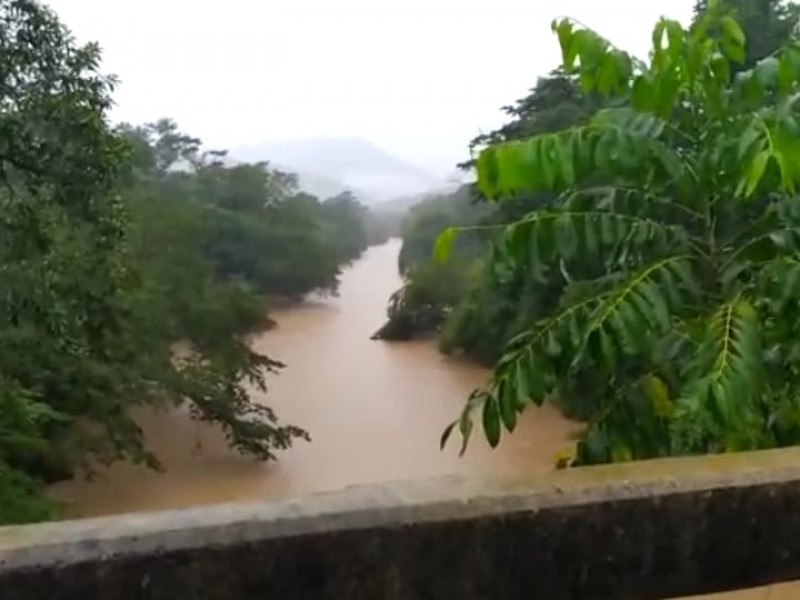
x: 423, y: 303
x: 134, y: 267
x: 674, y: 227
x: 432, y: 289
x: 767, y: 24
x: 498, y: 299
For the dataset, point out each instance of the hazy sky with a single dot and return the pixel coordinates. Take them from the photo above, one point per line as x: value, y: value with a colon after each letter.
x: 419, y: 78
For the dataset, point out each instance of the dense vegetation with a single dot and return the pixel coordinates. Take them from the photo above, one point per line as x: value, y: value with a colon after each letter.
x: 630, y: 253
x: 640, y: 266
x: 491, y: 301
x: 431, y: 288
x: 134, y: 265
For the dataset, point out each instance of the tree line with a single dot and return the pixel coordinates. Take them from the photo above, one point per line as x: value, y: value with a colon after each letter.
x: 636, y: 225
x: 134, y: 266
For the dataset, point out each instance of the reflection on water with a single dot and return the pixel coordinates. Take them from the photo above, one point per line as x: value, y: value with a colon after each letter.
x: 375, y: 412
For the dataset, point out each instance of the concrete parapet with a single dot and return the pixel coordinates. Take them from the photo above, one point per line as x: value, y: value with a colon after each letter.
x: 653, y: 529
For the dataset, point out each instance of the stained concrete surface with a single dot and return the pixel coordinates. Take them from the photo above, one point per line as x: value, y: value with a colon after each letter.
x: 655, y: 529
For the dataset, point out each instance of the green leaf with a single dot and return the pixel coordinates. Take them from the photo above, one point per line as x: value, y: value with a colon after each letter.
x: 508, y: 406
x: 766, y: 72
x: 725, y: 374
x: 465, y: 426
x: 721, y: 69
x: 788, y: 169
x: 563, y: 234
x: 588, y: 81
x: 491, y: 421
x: 620, y: 452
x: 732, y: 30
x: 675, y: 37
x: 642, y: 93
x: 755, y: 172
x: 752, y: 134
x: 657, y: 37
x: 564, y: 30
x: 606, y: 75
x: 733, y: 51
x: 656, y: 390
x: 789, y: 67
x: 624, y: 315
x: 488, y: 172
x: 521, y: 381
x: 566, y: 159
x: 443, y: 246
x: 446, y: 434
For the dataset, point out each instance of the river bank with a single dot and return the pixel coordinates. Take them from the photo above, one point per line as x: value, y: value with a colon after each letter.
x: 375, y: 411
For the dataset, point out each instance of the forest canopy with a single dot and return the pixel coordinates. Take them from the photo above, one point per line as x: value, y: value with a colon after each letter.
x: 121, y: 241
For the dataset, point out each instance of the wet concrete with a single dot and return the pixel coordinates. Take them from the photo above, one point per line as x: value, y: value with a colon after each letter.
x: 645, y: 530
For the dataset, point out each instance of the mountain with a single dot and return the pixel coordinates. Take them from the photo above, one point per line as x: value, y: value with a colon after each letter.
x: 321, y: 187
x: 327, y: 166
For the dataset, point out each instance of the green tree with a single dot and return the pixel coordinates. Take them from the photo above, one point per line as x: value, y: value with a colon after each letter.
x: 426, y: 220
x: 183, y: 294
x: 62, y: 268
x: 684, y: 338
x: 346, y: 219
x: 259, y: 228
x: 422, y: 304
x: 555, y: 103
x: 500, y: 303
x: 87, y: 330
x: 430, y: 291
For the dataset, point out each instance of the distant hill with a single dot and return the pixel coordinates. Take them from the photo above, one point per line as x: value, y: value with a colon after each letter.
x: 327, y: 166
x: 401, y: 204
x: 323, y: 187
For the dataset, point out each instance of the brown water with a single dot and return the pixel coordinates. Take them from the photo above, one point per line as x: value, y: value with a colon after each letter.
x: 375, y: 411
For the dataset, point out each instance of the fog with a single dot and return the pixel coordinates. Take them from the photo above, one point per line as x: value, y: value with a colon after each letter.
x: 416, y: 78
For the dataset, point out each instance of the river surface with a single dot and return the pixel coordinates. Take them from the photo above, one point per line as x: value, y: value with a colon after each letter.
x: 375, y: 411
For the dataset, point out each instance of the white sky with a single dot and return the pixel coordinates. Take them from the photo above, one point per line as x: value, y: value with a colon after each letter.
x: 419, y: 78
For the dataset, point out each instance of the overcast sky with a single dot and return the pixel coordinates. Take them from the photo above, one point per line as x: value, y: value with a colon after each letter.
x: 419, y: 78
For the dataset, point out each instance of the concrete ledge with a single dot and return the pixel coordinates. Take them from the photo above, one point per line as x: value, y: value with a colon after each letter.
x: 645, y: 530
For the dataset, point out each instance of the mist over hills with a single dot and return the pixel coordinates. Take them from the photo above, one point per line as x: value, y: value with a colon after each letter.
x: 328, y: 166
